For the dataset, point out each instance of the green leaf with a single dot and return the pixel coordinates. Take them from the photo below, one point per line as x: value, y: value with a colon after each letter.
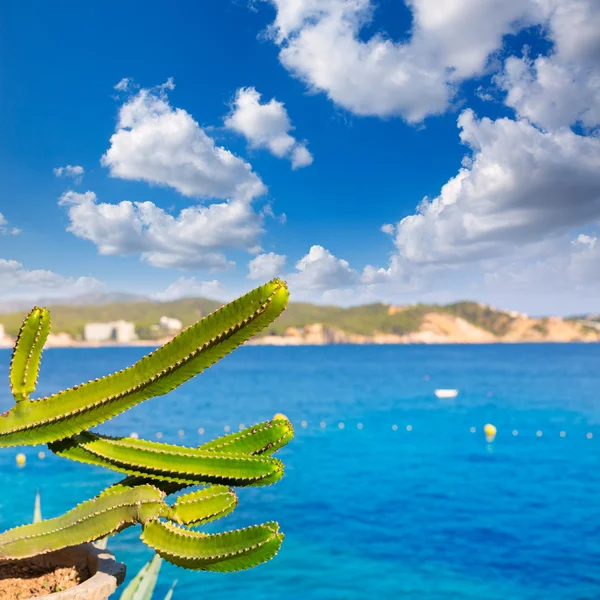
x: 72, y: 411
x: 37, y: 509
x: 170, y: 592
x: 142, y: 585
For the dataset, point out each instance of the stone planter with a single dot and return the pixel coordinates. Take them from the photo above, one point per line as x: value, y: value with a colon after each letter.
x: 106, y: 573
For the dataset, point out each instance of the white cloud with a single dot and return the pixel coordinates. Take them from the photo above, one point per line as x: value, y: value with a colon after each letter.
x: 585, y: 240
x: 266, y: 266
x: 162, y: 145
x: 190, y: 287
x: 18, y: 282
x: 73, y: 171
x: 527, y: 186
x: 266, y: 125
x: 195, y: 238
x: 5, y: 230
x: 565, y: 266
x: 563, y: 88
x: 522, y: 185
x: 320, y: 43
x: 320, y: 270
x: 123, y: 85
x: 301, y: 157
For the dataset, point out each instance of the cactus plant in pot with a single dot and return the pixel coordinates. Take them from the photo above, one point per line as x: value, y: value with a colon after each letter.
x: 154, y: 472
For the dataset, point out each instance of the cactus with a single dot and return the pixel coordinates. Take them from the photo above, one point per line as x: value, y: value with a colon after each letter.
x: 76, y: 409
x: 154, y: 470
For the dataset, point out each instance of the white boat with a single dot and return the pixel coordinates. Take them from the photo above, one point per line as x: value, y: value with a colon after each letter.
x: 446, y: 393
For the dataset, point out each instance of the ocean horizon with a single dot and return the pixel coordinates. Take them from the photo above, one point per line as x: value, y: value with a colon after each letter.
x: 389, y: 492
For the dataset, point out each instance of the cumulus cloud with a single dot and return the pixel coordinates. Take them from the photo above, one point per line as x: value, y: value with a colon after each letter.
x: 522, y: 185
x: 5, y: 229
x: 266, y: 266
x: 528, y: 184
x: 266, y: 125
x: 190, y: 287
x: 563, y: 88
x: 194, y: 238
x: 17, y: 281
x: 322, y: 43
x: 320, y: 270
x: 162, y: 145
x: 73, y: 171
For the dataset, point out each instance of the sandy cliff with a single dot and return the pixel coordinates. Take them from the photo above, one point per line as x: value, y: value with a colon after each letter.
x: 439, y: 328
x: 459, y: 323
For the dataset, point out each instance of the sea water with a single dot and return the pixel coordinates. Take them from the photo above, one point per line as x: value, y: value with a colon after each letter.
x: 389, y: 492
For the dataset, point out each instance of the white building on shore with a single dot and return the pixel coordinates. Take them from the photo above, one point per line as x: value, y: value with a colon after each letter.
x: 117, y: 331
x: 170, y: 325
x: 5, y: 341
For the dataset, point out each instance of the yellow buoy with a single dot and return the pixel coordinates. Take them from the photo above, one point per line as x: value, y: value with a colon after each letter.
x: 490, y: 432
x: 21, y: 459
x: 280, y: 416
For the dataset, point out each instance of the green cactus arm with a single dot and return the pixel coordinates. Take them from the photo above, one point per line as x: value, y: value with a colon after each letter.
x: 202, y: 506
x: 230, y: 551
x: 264, y: 438
x: 169, y: 463
x: 25, y: 361
x: 110, y: 512
x: 74, y: 410
x: 261, y: 553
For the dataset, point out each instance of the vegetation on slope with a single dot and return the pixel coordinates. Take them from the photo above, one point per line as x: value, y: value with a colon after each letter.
x: 365, y: 320
x: 495, y: 321
x: 71, y: 319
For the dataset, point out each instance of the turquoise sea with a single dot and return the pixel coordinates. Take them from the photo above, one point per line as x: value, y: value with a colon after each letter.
x: 371, y: 510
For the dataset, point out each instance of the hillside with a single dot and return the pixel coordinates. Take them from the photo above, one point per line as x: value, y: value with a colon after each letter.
x: 303, y: 323
x: 71, y: 319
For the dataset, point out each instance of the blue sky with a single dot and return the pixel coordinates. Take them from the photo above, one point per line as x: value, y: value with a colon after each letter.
x: 203, y: 149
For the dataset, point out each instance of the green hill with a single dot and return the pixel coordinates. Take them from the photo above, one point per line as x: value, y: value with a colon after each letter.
x: 364, y: 319
x: 71, y: 319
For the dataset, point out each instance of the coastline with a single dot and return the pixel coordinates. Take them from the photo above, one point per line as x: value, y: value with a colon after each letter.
x: 434, y: 329
x: 282, y: 341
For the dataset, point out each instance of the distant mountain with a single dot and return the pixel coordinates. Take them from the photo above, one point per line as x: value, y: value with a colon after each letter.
x: 588, y: 317
x: 93, y: 298
x: 97, y: 298
x: 303, y: 323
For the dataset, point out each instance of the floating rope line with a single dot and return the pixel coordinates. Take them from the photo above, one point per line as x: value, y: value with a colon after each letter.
x: 21, y: 458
